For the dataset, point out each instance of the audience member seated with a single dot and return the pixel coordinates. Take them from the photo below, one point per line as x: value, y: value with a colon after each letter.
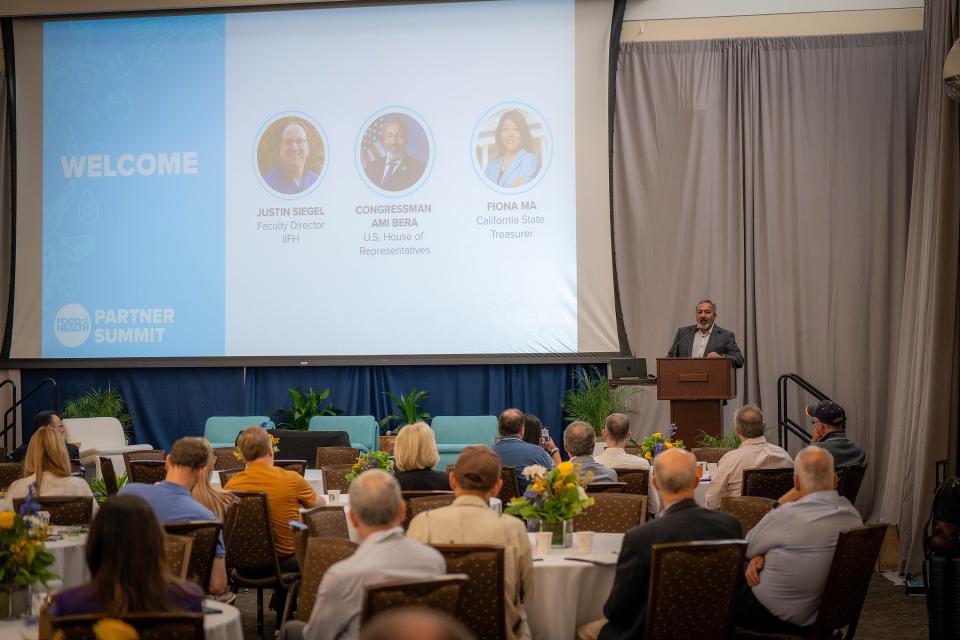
x: 532, y: 427
x: 675, y: 477
x: 46, y: 419
x: 286, y: 491
x: 125, y: 556
x: 791, y: 548
x: 415, y: 454
x: 212, y: 497
x: 754, y: 452
x: 415, y: 623
x: 47, y: 465
x: 171, y: 500
x: 579, y: 442
x: 470, y: 520
x: 376, y: 511
x: 830, y: 432
x: 616, y: 433
x: 513, y: 451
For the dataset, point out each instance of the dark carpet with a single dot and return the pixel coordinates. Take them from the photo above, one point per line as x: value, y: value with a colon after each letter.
x: 887, y: 613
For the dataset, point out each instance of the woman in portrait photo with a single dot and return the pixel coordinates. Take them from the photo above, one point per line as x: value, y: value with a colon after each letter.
x: 516, y: 164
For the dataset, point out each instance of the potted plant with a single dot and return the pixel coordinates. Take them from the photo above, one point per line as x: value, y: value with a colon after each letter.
x: 99, y: 487
x: 725, y: 441
x: 592, y: 400
x: 553, y: 498
x: 305, y: 406
x: 24, y: 559
x: 408, y: 412
x: 97, y: 403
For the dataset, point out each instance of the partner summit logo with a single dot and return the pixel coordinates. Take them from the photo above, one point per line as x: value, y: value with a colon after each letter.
x: 72, y: 325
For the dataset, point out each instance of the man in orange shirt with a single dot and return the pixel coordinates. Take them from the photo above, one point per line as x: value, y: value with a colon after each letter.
x: 286, y: 491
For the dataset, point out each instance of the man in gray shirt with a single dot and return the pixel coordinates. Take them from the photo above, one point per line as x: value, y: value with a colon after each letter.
x: 579, y: 440
x: 791, y: 548
x: 376, y: 511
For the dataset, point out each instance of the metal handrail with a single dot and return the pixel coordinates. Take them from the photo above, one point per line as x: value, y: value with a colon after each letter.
x: 785, y: 424
x: 10, y: 416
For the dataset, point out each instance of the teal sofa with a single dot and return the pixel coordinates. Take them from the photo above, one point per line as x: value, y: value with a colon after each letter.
x: 222, y: 431
x: 364, y: 431
x: 455, y: 433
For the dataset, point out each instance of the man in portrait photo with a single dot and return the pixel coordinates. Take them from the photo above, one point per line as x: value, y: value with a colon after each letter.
x: 396, y: 170
x: 291, y: 174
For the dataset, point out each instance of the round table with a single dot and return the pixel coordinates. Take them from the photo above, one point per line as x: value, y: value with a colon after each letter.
x: 69, y: 561
x: 571, y: 593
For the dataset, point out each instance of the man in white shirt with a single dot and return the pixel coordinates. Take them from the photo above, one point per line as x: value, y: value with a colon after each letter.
x: 376, y: 511
x: 616, y: 433
x: 754, y: 453
x: 470, y: 520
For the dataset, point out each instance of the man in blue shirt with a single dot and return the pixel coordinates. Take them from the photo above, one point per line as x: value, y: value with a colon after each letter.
x: 512, y: 449
x: 171, y: 499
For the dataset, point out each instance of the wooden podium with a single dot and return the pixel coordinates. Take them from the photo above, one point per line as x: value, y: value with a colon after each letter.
x: 696, y: 389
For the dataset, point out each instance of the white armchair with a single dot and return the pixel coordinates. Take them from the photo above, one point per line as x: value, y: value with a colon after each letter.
x: 97, y: 437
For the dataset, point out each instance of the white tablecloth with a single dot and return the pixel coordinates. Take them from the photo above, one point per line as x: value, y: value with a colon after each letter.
x: 567, y: 593
x: 68, y: 560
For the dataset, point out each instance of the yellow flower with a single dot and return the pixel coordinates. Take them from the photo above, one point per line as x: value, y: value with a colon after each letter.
x: 648, y: 456
x: 539, y: 485
x: 113, y: 629
x: 558, y: 484
x: 658, y: 435
x: 570, y: 485
x: 565, y: 468
x: 6, y: 519
x: 667, y: 445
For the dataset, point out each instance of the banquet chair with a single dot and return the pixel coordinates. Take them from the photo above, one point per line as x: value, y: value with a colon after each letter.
x: 204, y: 534
x: 633, y: 451
x: 225, y: 460
x: 10, y: 471
x: 109, y: 475
x: 147, y: 471
x: 749, y: 510
x: 426, y: 503
x: 767, y: 483
x: 321, y: 554
x: 709, y: 454
x: 849, y: 479
x: 443, y: 594
x: 329, y: 456
x: 152, y: 454
x: 701, y: 577
x: 612, y: 513
x: 606, y: 487
x: 149, y: 626
x: 251, y: 555
x: 482, y: 606
x: 637, y: 481
x: 326, y: 522
x: 300, y: 466
x: 177, y: 554
x: 847, y: 583
x: 64, y: 510
x: 334, y: 477
x: 226, y: 474
x: 418, y: 493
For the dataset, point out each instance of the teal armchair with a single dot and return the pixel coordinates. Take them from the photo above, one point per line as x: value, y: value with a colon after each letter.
x: 455, y: 433
x: 222, y: 431
x: 364, y: 431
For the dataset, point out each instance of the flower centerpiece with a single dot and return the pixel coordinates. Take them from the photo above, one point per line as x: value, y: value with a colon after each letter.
x: 553, y: 497
x: 657, y: 443
x: 370, y: 460
x: 24, y: 559
x: 274, y: 443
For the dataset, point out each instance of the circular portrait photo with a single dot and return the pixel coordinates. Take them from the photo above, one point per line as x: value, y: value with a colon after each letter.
x: 394, y: 151
x: 291, y: 155
x: 511, y: 147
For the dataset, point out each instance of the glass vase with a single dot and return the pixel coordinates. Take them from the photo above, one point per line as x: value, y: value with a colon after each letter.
x: 14, y: 601
x: 562, y: 532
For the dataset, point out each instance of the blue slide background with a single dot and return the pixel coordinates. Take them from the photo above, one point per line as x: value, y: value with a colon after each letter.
x: 135, y: 86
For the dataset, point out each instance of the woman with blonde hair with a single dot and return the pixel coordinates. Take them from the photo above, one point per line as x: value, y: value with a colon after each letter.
x: 213, y: 498
x: 415, y: 453
x: 48, y: 466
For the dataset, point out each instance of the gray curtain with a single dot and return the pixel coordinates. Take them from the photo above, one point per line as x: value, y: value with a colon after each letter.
x: 773, y: 176
x: 925, y: 391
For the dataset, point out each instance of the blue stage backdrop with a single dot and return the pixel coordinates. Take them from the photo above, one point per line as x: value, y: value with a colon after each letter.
x: 168, y: 403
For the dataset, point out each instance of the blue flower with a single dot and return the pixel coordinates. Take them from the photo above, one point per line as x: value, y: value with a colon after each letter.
x: 264, y: 424
x: 30, y: 507
x: 659, y: 448
x: 530, y: 495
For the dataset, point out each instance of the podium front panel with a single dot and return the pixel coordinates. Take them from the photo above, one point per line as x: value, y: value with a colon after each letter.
x: 695, y: 379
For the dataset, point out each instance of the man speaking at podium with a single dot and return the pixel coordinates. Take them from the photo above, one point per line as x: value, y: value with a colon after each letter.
x: 706, y: 339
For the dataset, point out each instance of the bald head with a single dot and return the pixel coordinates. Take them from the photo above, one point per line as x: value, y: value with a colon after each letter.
x: 675, y: 472
x: 813, y: 470
x: 579, y: 439
x: 510, y: 422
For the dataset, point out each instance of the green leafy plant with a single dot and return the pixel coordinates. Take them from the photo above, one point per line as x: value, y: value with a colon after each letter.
x: 725, y: 441
x: 552, y: 495
x: 305, y: 406
x: 101, y: 403
x: 24, y: 559
x: 408, y: 409
x: 592, y: 399
x: 99, y: 487
x: 370, y: 460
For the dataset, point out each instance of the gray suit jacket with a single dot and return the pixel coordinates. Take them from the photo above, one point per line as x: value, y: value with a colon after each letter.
x: 721, y: 341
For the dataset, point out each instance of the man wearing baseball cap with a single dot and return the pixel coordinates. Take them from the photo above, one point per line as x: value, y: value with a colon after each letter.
x: 470, y: 520
x: 830, y: 433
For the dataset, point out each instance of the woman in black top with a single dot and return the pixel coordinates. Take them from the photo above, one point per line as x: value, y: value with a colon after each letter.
x: 415, y: 453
